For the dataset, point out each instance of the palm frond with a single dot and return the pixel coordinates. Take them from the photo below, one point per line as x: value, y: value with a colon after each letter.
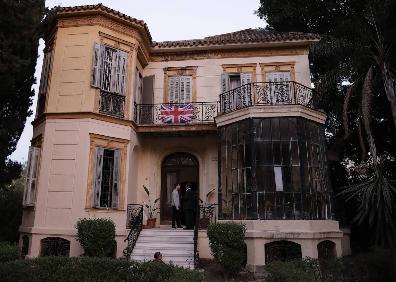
x: 367, y: 93
x: 375, y: 205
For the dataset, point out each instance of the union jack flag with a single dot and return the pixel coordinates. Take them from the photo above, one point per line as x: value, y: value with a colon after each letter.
x: 172, y: 114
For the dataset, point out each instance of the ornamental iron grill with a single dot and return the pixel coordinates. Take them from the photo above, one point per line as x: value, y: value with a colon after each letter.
x: 282, y: 251
x: 111, y: 104
x: 135, y: 223
x: 55, y: 246
x: 207, y: 215
x: 268, y: 93
x: 153, y: 114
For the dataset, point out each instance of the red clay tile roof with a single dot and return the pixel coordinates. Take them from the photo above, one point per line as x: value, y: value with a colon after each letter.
x: 258, y: 35
x: 102, y: 8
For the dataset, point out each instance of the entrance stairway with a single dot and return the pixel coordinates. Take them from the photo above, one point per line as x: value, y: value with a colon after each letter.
x: 176, y: 246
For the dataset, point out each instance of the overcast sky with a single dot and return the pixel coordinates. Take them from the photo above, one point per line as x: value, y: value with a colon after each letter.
x: 167, y: 20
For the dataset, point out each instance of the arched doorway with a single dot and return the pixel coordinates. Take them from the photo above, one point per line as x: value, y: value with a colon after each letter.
x: 176, y: 168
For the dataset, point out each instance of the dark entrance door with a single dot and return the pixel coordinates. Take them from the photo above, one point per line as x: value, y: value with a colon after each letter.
x: 176, y: 168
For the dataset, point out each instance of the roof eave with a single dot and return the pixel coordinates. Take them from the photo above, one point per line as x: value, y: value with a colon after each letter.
x: 229, y: 46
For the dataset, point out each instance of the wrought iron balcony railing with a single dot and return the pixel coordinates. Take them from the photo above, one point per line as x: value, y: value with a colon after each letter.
x: 111, y: 104
x: 167, y: 113
x: 267, y: 93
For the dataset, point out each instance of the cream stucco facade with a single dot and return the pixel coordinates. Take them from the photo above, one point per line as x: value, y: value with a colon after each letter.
x: 70, y: 125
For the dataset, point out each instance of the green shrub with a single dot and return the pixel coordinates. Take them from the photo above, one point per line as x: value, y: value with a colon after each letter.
x: 97, y: 237
x: 374, y: 266
x: 227, y: 244
x: 9, y: 252
x: 289, y: 271
x: 64, y: 269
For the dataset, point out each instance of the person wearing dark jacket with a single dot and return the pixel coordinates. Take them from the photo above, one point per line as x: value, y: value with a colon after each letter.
x: 189, y: 207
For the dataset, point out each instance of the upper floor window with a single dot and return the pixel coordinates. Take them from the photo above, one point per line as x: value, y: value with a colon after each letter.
x: 109, y: 69
x: 180, y: 89
x: 278, y: 90
x: 138, y: 86
x: 29, y: 195
x: 234, y: 80
x: 106, y: 177
x: 180, y: 84
x: 45, y: 73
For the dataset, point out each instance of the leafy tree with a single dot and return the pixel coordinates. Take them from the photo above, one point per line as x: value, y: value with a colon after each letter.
x: 353, y: 68
x: 20, y: 23
x: 11, y: 208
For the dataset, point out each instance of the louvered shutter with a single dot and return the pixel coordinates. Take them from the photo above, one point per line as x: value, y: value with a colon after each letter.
x: 29, y: 195
x: 246, y: 78
x: 278, y: 76
x: 114, y: 71
x: 47, y: 63
x: 279, y: 92
x: 225, y: 99
x: 116, y: 179
x: 245, y: 99
x: 225, y: 82
x: 97, y: 176
x: 173, y: 89
x: 185, y: 89
x: 97, y: 65
x: 121, y: 72
x: 138, y: 95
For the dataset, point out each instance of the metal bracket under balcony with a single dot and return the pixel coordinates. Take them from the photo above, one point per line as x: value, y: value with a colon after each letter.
x: 111, y: 104
x: 267, y: 93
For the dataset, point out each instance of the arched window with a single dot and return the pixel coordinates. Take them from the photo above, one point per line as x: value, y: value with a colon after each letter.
x: 55, y: 246
x: 327, y: 250
x: 282, y: 251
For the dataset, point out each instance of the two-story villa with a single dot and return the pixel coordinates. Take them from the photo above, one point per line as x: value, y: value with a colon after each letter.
x: 231, y: 114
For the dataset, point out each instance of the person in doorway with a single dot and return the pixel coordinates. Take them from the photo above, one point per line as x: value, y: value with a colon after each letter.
x: 158, y: 257
x: 189, y: 207
x: 176, y: 207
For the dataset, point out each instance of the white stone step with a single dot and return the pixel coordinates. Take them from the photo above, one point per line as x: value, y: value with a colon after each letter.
x: 176, y: 246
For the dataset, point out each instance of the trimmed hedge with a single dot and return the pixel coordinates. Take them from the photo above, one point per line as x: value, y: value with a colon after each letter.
x: 375, y: 266
x: 9, y: 252
x: 97, y: 237
x: 64, y: 269
x: 227, y: 243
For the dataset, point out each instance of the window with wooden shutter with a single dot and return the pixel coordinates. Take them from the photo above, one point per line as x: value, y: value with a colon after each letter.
x: 225, y: 82
x: 185, y: 89
x: 278, y: 76
x: 45, y: 72
x: 107, y: 178
x: 180, y: 89
x: 29, y: 195
x: 97, y: 176
x: 109, y: 69
x: 173, y: 89
x: 245, y: 97
x: 116, y: 179
x: 279, y: 88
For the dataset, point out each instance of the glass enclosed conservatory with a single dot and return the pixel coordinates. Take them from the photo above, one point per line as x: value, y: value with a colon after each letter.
x: 273, y: 168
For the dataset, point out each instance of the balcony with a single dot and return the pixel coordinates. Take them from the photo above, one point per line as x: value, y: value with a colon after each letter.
x: 111, y: 104
x: 267, y: 93
x: 194, y: 113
